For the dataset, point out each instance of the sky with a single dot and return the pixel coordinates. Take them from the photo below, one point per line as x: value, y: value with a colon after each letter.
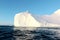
x: 8, y: 8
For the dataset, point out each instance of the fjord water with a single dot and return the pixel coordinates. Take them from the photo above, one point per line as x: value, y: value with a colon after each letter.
x: 20, y: 33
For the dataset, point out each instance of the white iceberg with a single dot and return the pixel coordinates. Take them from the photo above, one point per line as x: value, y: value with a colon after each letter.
x: 25, y: 19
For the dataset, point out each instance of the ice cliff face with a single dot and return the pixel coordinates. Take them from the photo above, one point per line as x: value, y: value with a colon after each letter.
x: 25, y: 19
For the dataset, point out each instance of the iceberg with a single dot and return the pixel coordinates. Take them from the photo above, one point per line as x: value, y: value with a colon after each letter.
x: 54, y: 17
x: 25, y: 19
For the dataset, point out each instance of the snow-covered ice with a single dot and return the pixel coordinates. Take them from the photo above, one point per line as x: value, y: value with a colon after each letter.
x: 25, y: 19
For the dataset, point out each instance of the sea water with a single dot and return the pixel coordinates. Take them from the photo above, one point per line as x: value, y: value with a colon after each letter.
x: 21, y: 33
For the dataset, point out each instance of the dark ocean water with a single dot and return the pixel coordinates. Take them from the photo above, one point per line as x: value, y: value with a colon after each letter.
x: 11, y: 33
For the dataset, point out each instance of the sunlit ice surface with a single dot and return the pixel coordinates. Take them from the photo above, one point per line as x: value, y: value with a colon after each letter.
x: 22, y: 33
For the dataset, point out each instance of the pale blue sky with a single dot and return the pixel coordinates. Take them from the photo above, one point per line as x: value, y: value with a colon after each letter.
x: 8, y: 8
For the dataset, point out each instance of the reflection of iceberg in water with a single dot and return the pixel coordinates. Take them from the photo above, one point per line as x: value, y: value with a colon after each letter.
x: 25, y: 19
x: 41, y: 34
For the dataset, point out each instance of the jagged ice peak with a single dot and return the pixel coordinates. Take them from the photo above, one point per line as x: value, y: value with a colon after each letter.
x: 57, y: 11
